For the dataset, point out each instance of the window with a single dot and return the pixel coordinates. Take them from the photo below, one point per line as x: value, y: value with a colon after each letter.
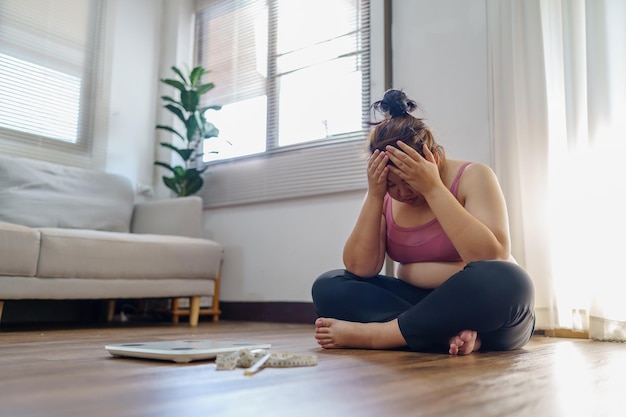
x: 48, y: 51
x: 293, y: 69
x: 291, y: 75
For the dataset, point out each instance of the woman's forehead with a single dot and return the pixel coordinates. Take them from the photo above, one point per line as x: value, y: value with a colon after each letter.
x: 391, y: 177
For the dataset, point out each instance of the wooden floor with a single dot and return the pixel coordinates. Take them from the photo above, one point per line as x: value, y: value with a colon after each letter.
x: 67, y: 372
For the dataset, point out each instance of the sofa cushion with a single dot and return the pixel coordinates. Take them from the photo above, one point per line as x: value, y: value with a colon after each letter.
x: 72, y: 253
x: 42, y: 194
x: 20, y: 250
x: 17, y: 288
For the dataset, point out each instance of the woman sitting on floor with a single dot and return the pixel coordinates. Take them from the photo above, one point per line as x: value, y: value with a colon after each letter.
x: 445, y: 223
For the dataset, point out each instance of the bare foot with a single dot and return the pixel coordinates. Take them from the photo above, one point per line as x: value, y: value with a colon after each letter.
x: 337, y: 334
x: 464, y: 343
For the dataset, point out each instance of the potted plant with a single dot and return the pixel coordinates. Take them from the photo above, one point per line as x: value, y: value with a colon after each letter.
x: 186, y: 178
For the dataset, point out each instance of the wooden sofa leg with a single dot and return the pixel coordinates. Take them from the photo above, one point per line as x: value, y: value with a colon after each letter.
x: 194, y: 310
x: 1, y: 305
x: 216, y: 296
x: 175, y: 312
x: 110, y: 310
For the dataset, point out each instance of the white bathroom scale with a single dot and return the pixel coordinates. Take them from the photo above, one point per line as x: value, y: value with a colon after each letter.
x: 181, y: 351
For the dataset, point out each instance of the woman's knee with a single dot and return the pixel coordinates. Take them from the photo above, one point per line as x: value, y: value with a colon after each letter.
x: 499, y: 270
x: 505, y: 278
x: 328, y: 279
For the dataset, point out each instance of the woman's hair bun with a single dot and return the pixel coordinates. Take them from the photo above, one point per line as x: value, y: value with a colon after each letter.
x: 396, y: 103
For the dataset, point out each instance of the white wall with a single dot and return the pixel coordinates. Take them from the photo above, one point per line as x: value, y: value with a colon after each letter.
x: 274, y: 251
x: 133, y: 88
x: 440, y: 60
x: 145, y: 39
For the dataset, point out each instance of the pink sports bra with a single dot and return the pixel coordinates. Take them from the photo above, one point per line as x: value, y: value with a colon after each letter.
x: 425, y: 243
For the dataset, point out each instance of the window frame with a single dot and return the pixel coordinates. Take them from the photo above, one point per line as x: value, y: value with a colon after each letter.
x: 317, y: 167
x: 79, y: 153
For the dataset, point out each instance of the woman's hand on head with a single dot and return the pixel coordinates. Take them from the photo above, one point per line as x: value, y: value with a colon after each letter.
x: 420, y: 173
x: 377, y: 173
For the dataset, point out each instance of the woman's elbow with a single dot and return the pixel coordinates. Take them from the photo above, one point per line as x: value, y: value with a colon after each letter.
x: 363, y: 266
x: 362, y: 271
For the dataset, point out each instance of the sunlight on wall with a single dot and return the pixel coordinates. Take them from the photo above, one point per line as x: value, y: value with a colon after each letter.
x: 587, y: 229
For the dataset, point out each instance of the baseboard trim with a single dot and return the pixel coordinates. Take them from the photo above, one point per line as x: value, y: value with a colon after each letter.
x: 566, y: 333
x: 272, y: 311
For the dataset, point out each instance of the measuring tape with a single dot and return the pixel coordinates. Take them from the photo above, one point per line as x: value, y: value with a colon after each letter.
x: 257, y: 359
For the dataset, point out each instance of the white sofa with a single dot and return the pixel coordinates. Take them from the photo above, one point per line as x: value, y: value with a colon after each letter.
x: 74, y: 233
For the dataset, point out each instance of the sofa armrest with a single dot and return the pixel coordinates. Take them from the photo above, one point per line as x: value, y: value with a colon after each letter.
x: 175, y: 216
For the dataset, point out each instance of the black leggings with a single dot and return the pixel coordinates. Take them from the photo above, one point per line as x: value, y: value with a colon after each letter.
x: 494, y: 298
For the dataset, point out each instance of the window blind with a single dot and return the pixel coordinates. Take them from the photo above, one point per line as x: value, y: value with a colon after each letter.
x: 241, y: 45
x: 49, y: 54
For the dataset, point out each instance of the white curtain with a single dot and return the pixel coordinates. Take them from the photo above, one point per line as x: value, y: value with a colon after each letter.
x: 558, y: 71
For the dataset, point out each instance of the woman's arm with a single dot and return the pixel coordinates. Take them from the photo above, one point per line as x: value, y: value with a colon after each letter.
x: 479, y: 229
x: 364, y: 251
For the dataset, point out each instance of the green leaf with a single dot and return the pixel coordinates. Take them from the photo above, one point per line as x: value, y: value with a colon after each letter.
x: 171, y: 100
x: 201, y: 122
x: 192, y: 173
x: 169, y: 129
x: 178, y: 112
x: 195, y: 75
x: 189, y: 99
x: 183, y: 153
x: 179, y: 172
x: 176, y: 84
x: 193, y: 185
x: 180, y: 74
x: 210, y: 131
x: 203, y: 110
x: 173, y: 185
x: 164, y: 165
x: 204, y: 88
x: 170, y: 146
x: 192, y: 127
